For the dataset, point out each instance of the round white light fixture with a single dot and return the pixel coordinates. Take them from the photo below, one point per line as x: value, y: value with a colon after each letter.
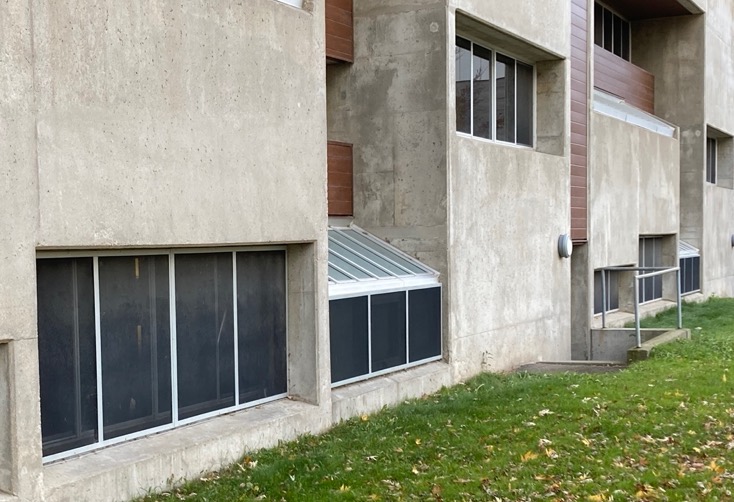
x: 565, y: 246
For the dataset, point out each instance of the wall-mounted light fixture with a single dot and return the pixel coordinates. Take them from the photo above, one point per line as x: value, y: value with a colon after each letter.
x: 565, y: 246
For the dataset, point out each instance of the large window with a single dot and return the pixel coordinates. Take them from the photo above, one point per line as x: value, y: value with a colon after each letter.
x: 611, y: 32
x: 133, y: 344
x: 375, y: 333
x: 651, y: 256
x: 494, y: 94
x: 689, y: 260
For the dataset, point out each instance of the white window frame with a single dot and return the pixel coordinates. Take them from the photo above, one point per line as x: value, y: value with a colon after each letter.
x: 175, y: 421
x: 493, y: 102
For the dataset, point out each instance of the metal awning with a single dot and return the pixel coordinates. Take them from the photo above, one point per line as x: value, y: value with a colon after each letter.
x: 685, y: 250
x: 613, y: 106
x: 360, y: 263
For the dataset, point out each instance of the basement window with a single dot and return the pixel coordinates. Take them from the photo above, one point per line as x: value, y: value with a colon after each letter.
x: 689, y: 259
x: 130, y: 345
x: 384, y: 308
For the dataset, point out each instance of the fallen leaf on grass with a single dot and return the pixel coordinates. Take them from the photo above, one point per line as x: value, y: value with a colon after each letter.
x: 528, y: 455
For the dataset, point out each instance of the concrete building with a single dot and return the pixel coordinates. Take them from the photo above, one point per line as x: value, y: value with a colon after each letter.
x: 182, y: 279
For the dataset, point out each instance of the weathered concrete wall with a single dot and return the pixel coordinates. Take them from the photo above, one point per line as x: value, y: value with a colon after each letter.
x: 718, y: 200
x: 633, y: 189
x: 158, y: 124
x: 179, y: 123
x: 391, y: 105
x: 544, y: 24
x: 19, y: 222
x: 510, y: 290
x: 673, y: 50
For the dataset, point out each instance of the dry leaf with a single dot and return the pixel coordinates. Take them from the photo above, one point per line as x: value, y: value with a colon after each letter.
x: 529, y: 455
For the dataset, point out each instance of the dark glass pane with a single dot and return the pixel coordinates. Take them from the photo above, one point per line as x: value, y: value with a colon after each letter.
x: 598, y: 24
x: 348, y: 332
x: 657, y: 262
x: 613, y: 289
x: 608, y: 30
x: 261, y: 324
x: 67, y: 353
x: 388, y: 330
x: 204, y: 333
x: 505, y: 103
x: 617, y: 23
x: 711, y: 160
x: 524, y: 104
x: 135, y: 343
x: 686, y: 275
x: 463, y: 85
x: 424, y: 323
x: 598, y: 299
x: 482, y: 74
x: 625, y: 40
x: 696, y: 274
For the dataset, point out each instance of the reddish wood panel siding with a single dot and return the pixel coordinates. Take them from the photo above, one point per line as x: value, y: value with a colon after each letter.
x: 339, y: 162
x: 579, y: 119
x: 339, y: 30
x: 621, y: 78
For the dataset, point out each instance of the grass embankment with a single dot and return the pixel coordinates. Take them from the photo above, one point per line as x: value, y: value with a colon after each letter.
x: 661, y: 430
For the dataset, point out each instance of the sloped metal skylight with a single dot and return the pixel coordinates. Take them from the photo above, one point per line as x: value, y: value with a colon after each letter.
x: 685, y: 250
x: 361, y: 263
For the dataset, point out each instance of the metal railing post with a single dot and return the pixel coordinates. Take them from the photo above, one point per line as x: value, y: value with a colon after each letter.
x: 680, y: 309
x: 637, y: 311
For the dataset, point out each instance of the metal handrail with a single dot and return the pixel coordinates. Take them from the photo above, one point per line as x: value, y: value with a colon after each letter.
x: 656, y: 271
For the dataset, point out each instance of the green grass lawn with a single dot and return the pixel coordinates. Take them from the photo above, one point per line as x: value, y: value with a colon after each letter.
x: 661, y: 430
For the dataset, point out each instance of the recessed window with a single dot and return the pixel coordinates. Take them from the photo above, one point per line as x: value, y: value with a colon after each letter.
x: 611, y: 32
x: 611, y: 295
x: 651, y: 256
x: 711, y: 152
x: 123, y: 352
x: 494, y: 94
x: 690, y: 268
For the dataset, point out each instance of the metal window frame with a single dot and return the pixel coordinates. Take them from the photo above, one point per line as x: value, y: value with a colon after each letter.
x: 101, y: 442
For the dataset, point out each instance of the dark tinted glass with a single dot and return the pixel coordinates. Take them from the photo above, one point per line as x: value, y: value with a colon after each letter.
x: 711, y: 160
x: 625, y: 40
x: 598, y: 24
x: 388, y: 330
x: 617, y: 24
x: 66, y: 352
x: 505, y: 103
x: 348, y: 332
x: 524, y: 104
x: 135, y: 342
x: 463, y: 85
x: 608, y: 30
x: 204, y: 333
x: 261, y: 324
x: 696, y: 273
x: 424, y: 321
x: 482, y: 74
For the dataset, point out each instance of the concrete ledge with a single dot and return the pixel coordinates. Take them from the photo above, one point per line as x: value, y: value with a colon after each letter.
x: 5, y: 497
x: 643, y: 352
x: 131, y: 469
x: 388, y: 390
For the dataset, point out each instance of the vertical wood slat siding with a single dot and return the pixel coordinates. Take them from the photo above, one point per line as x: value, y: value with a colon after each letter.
x: 621, y: 78
x: 579, y: 120
x: 339, y: 166
x: 339, y: 30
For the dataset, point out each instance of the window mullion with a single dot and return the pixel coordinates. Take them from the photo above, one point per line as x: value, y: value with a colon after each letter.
x: 98, y: 350
x: 174, y: 360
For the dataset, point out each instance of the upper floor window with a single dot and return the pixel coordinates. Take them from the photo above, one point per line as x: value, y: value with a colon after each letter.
x: 494, y: 94
x: 611, y: 32
x: 711, y: 146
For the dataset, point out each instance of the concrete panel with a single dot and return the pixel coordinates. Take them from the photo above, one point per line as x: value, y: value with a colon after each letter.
x: 129, y: 470
x: 719, y: 69
x: 634, y: 189
x: 612, y: 344
x: 544, y: 24
x: 179, y: 124
x: 510, y: 300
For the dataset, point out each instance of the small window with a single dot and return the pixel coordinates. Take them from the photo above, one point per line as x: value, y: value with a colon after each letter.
x: 611, y: 284
x: 690, y: 268
x: 494, y: 94
x: 651, y: 256
x: 711, y: 147
x: 611, y: 32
